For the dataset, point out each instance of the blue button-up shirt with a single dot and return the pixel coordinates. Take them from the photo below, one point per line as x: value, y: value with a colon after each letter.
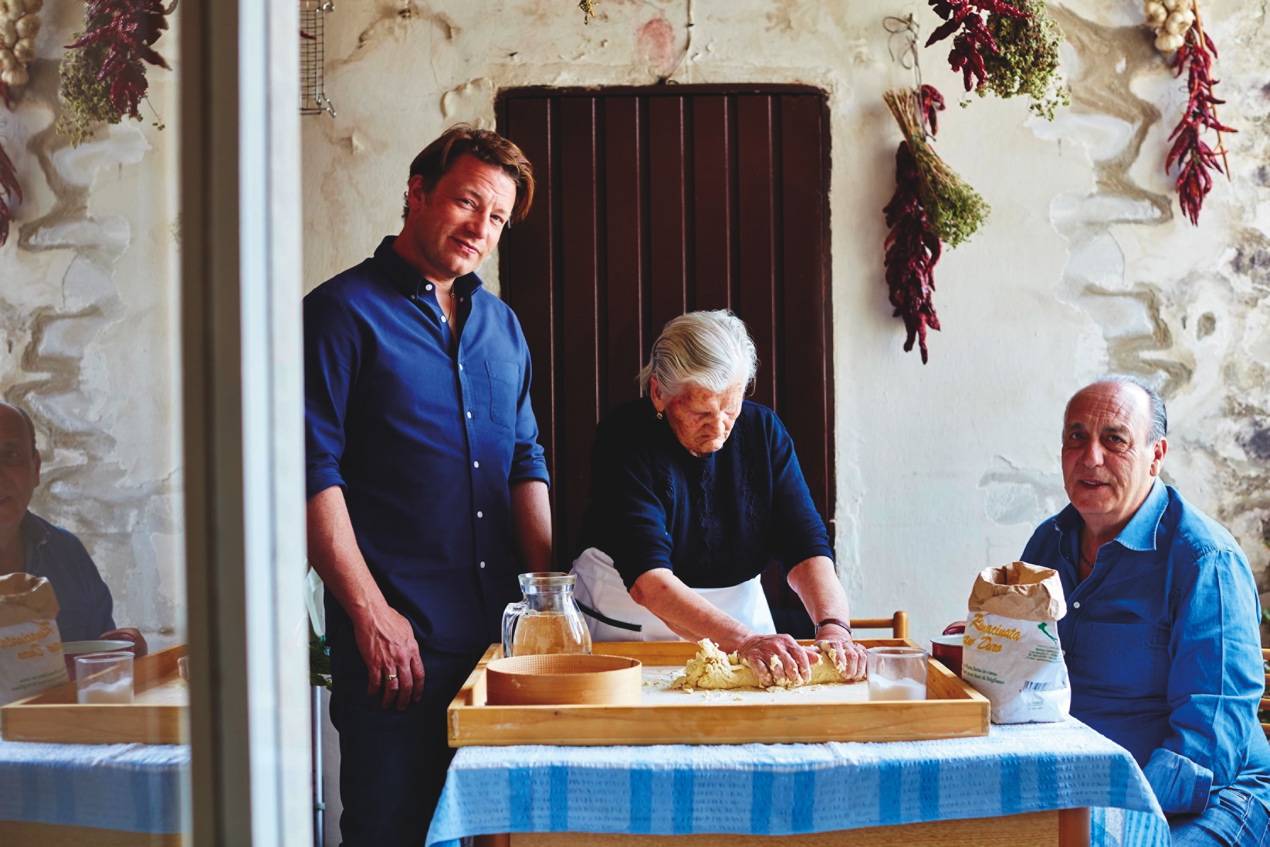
x: 84, y: 605
x: 425, y: 436
x: 1163, y: 647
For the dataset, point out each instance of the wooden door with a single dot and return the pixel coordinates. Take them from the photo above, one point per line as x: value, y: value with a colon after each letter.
x: 656, y: 201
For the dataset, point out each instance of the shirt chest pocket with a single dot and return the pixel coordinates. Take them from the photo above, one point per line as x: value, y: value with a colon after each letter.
x: 503, y: 377
x: 1133, y: 658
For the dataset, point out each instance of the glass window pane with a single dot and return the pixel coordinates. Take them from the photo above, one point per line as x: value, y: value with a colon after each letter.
x: 91, y: 495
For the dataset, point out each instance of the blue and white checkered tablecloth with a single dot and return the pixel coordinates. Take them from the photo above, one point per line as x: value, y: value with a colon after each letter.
x: 782, y: 789
x: 129, y: 787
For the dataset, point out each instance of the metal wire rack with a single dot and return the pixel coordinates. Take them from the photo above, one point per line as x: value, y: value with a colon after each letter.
x: 313, y: 99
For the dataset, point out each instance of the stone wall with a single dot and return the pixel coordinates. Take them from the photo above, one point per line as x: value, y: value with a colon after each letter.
x: 88, y: 332
x: 1085, y: 266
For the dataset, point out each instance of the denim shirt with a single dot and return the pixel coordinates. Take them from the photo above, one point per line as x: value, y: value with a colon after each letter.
x: 425, y: 436
x: 84, y: 603
x: 1163, y: 646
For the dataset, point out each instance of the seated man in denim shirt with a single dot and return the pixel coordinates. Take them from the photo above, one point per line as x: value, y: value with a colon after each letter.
x: 30, y: 544
x: 1161, y: 635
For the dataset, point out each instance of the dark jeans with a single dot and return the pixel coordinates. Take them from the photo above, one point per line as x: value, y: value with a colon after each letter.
x: 392, y: 764
x: 1234, y: 818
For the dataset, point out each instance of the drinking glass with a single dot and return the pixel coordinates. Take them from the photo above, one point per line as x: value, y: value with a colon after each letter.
x: 104, y: 678
x: 897, y: 673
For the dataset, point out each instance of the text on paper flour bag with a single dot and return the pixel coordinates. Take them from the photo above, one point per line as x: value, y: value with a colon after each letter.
x: 30, y: 645
x: 1012, y: 654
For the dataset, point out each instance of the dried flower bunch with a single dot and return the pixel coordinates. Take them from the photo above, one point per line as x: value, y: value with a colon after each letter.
x: 19, y: 24
x: 956, y: 210
x: 103, y: 75
x: 975, y: 41
x: 1026, y: 61
x: 10, y: 194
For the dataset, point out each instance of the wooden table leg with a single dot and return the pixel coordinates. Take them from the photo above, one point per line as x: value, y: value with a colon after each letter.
x: 1073, y: 828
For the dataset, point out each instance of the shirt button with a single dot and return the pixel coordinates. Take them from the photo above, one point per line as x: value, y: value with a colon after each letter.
x: 443, y: 319
x: 460, y: 366
x: 469, y: 415
x: 428, y: 287
x: 476, y: 464
x: 1076, y: 605
x: 480, y: 514
x: 482, y: 564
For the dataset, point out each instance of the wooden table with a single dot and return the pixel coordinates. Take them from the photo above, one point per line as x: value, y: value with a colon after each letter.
x: 1063, y: 828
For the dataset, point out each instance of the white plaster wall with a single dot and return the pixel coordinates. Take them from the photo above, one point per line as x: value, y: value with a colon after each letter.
x: 1085, y: 265
x: 88, y: 331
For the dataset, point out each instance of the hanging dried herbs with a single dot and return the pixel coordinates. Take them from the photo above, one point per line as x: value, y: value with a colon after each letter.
x: 956, y: 210
x: 1026, y: 59
x: 974, y: 43
x: 10, y: 194
x: 1194, y: 158
x: 86, y: 103
x: 103, y: 74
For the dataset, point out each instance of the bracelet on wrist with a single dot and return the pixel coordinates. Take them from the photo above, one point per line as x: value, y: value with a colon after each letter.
x: 838, y: 622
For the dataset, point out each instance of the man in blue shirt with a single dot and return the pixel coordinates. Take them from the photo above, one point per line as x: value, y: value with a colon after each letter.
x: 427, y: 488
x: 1162, y: 634
x: 30, y: 544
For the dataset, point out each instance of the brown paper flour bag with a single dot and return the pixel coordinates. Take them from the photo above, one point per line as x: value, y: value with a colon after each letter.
x: 30, y: 645
x: 1012, y: 655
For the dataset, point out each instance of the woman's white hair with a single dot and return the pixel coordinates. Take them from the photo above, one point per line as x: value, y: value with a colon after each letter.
x: 712, y: 350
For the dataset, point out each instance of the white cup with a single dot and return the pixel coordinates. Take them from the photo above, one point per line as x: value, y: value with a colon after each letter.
x: 104, y: 678
x: 897, y: 673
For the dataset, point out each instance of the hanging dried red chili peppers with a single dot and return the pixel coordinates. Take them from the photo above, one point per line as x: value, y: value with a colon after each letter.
x: 975, y: 41
x: 912, y: 250
x: 912, y: 245
x: 124, y: 30
x: 1192, y: 155
x: 10, y: 194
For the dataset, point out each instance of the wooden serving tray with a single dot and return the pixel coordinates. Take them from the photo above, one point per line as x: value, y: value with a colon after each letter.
x: 955, y: 710
x: 156, y: 715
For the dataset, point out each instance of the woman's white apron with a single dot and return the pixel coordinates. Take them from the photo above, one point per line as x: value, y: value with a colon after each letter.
x: 613, y: 615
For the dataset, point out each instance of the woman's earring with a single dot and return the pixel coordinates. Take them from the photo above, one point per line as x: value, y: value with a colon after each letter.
x: 661, y: 416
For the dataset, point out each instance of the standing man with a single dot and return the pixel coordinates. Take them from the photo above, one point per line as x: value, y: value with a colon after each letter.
x: 1161, y: 635
x: 427, y: 489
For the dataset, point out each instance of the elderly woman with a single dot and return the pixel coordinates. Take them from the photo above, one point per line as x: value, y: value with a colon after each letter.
x: 694, y: 490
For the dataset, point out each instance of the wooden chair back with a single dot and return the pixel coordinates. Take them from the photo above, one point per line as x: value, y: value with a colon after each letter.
x: 896, y: 623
